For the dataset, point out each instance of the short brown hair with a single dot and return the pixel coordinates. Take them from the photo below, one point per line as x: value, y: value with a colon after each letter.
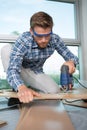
x: 41, y: 19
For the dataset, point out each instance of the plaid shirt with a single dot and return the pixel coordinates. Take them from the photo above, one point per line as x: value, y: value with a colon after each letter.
x: 26, y: 53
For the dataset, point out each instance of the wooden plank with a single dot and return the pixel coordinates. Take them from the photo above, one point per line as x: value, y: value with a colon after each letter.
x: 2, y: 123
x: 74, y: 94
x: 44, y: 115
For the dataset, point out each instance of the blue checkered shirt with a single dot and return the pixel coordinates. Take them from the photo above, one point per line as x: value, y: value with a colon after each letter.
x: 26, y: 53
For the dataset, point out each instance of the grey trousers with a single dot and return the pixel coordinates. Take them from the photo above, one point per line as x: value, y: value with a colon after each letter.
x: 40, y: 81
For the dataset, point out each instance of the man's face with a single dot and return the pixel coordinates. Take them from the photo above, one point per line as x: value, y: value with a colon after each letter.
x: 41, y: 36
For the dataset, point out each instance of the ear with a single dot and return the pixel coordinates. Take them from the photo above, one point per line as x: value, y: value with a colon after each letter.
x: 31, y: 31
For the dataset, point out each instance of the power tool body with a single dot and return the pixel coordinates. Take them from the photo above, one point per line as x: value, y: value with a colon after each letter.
x: 66, y: 79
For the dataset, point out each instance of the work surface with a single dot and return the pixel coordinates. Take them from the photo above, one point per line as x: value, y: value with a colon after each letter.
x: 77, y: 115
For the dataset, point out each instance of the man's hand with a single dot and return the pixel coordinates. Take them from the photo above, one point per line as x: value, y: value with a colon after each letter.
x: 25, y: 94
x: 71, y: 66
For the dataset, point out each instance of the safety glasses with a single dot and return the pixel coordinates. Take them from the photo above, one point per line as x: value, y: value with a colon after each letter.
x: 42, y: 35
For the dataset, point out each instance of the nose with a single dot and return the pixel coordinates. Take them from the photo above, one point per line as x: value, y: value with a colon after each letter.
x: 43, y: 39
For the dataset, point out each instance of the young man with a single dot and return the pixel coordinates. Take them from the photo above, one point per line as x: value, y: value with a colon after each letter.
x: 28, y: 55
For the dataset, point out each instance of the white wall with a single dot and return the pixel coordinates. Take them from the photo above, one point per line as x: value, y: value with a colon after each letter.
x: 83, y: 37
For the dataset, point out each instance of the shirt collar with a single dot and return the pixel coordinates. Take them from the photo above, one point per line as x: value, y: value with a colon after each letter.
x: 35, y: 45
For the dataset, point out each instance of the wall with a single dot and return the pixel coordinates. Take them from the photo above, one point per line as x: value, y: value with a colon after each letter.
x: 83, y: 37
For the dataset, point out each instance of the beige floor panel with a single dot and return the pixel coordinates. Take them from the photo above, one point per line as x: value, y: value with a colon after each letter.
x: 44, y: 115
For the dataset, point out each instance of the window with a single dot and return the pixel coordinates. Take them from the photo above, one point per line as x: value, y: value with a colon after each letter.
x: 15, y: 16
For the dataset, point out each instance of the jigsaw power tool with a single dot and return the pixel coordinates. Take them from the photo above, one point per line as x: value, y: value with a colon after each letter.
x: 66, y: 79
